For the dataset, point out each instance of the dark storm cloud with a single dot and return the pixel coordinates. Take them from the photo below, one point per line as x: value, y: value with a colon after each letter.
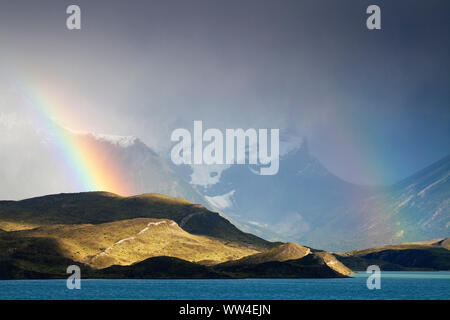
x: 308, y: 67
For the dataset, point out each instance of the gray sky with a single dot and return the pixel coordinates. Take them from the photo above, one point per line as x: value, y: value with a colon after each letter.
x: 375, y: 105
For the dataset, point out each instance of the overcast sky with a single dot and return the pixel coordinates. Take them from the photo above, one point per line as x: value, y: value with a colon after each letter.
x: 375, y: 105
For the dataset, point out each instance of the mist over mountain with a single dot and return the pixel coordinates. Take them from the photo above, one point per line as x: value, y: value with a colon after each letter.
x: 306, y: 203
x: 34, y: 164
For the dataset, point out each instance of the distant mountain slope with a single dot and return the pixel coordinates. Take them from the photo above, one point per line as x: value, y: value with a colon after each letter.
x: 428, y: 255
x: 421, y: 203
x: 302, y: 203
x: 307, y: 204
x: 102, y: 207
x: 44, y: 164
x: 142, y: 169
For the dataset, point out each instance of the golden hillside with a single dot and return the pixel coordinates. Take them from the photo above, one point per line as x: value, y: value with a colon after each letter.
x: 129, y: 241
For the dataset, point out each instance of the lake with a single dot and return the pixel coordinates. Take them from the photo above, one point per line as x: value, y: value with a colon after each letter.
x: 394, y: 285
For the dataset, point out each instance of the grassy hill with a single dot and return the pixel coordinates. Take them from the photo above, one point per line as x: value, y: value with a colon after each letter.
x: 153, y: 235
x: 145, y: 236
x: 46, y: 258
x: 40, y: 237
x: 443, y: 243
x: 159, y: 268
x: 102, y: 207
x: 426, y: 255
x: 33, y: 258
x: 287, y: 260
x: 284, y: 252
x: 310, y: 266
x: 125, y: 242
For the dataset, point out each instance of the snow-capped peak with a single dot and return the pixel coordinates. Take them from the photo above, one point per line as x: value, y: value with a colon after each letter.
x: 121, y: 141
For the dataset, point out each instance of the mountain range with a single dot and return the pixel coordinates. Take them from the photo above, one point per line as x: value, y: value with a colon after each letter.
x: 308, y: 204
x: 303, y: 203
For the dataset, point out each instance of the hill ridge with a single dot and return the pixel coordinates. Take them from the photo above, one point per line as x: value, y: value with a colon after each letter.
x: 100, y: 207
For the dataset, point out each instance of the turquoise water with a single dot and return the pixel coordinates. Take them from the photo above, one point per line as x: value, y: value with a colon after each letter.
x: 394, y: 285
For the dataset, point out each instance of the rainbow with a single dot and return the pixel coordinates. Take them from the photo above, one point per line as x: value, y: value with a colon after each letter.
x: 91, y: 168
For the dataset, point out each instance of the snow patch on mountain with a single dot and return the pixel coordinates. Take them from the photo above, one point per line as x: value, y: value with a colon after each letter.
x: 423, y: 191
x: 404, y: 202
x: 259, y: 224
x: 116, y: 140
x: 207, y: 175
x: 120, y: 141
x: 223, y: 201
